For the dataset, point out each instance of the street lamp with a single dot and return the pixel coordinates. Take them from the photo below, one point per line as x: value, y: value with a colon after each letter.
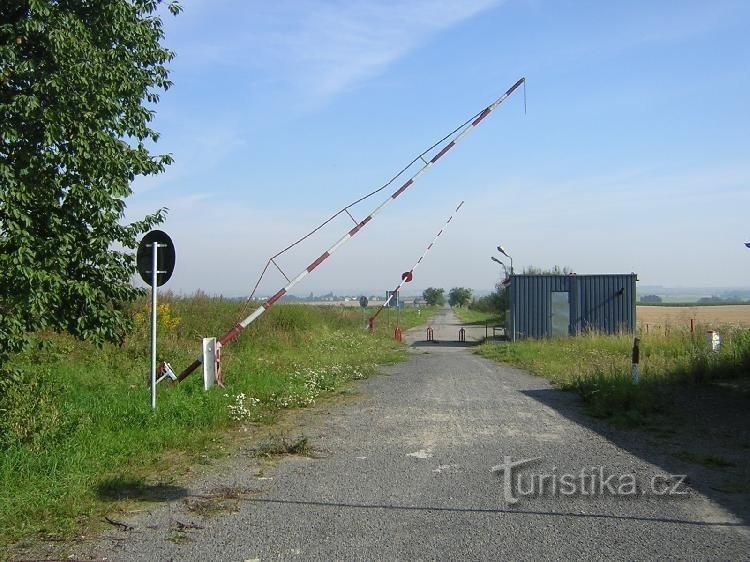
x: 503, y: 252
x: 493, y: 258
x: 512, y: 290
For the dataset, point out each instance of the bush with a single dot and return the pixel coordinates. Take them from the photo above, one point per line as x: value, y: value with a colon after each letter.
x: 494, y: 303
x: 29, y: 411
x: 613, y: 395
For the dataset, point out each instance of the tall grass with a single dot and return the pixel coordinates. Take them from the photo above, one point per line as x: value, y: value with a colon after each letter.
x: 598, y: 367
x: 77, y: 417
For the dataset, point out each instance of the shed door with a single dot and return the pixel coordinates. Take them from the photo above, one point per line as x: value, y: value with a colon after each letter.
x: 559, y: 319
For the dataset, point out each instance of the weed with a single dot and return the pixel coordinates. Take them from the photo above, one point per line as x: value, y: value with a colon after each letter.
x: 223, y: 500
x: 282, y: 446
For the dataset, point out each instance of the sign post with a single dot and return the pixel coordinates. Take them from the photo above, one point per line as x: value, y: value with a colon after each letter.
x: 154, y: 274
x: 155, y: 268
x: 363, y: 304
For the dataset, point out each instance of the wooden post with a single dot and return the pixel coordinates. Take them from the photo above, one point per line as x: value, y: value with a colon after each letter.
x: 635, y: 373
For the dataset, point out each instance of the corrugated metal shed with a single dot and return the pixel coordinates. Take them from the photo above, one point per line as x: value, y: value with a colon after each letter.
x: 557, y: 305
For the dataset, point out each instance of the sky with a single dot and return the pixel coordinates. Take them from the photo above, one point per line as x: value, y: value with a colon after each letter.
x: 632, y: 154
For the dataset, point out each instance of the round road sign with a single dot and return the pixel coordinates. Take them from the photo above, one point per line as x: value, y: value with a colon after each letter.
x: 165, y: 257
x: 407, y: 276
x: 363, y: 301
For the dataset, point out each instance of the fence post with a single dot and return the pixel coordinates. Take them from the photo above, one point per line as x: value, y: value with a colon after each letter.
x: 635, y: 373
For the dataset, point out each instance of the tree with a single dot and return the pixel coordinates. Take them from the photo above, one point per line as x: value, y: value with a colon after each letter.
x: 494, y: 303
x: 459, y: 296
x: 434, y: 296
x: 77, y: 82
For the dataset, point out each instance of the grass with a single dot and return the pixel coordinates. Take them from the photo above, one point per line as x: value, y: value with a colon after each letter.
x: 711, y: 461
x: 598, y: 367
x: 77, y: 420
x: 469, y: 316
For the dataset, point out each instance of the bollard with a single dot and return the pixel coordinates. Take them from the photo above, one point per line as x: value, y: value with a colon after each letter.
x: 462, y: 335
x: 430, y: 334
x: 397, y: 334
x: 713, y: 341
x: 635, y: 373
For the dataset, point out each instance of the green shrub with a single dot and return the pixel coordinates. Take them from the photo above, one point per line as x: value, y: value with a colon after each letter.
x: 30, y: 411
x: 614, y: 395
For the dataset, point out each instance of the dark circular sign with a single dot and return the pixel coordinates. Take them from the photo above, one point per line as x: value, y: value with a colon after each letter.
x: 407, y: 276
x: 165, y: 257
x: 363, y: 301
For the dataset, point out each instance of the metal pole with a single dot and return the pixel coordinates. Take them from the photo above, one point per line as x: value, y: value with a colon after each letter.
x: 513, y: 310
x: 154, y: 266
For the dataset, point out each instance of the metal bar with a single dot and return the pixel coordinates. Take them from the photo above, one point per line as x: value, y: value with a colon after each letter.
x: 241, y: 325
x: 154, y: 273
x: 350, y: 216
x: 280, y: 270
x: 374, y: 316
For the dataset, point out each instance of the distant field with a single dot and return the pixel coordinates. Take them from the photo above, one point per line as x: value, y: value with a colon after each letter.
x: 705, y: 316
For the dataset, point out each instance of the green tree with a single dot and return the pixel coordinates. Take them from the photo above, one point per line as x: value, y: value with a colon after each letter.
x: 494, y: 303
x: 459, y: 296
x: 78, y: 79
x: 434, y: 296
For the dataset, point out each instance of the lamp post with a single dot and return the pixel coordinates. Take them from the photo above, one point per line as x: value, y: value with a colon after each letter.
x: 493, y: 258
x: 512, y: 303
x: 503, y: 252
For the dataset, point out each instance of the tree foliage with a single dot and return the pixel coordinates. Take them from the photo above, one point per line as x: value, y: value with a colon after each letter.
x: 459, y: 296
x: 434, y: 296
x: 555, y: 270
x: 494, y: 303
x: 78, y: 79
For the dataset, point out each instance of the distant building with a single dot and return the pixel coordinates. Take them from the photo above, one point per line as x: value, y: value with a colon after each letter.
x: 541, y: 306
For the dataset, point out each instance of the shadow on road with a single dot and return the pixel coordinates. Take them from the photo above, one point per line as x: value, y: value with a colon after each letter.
x: 705, y: 434
x: 504, y: 511
x: 135, y: 489
x: 447, y: 343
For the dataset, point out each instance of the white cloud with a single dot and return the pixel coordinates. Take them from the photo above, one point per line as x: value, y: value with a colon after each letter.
x: 323, y: 48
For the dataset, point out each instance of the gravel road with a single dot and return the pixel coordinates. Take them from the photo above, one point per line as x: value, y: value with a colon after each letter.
x: 404, y: 471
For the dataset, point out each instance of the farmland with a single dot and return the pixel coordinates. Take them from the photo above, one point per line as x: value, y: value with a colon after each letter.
x: 678, y: 317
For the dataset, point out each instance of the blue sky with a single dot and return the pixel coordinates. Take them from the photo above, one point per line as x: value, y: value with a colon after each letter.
x: 632, y: 156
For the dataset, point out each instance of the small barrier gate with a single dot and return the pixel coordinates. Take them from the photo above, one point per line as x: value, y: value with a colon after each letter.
x: 430, y: 334
x: 462, y: 335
